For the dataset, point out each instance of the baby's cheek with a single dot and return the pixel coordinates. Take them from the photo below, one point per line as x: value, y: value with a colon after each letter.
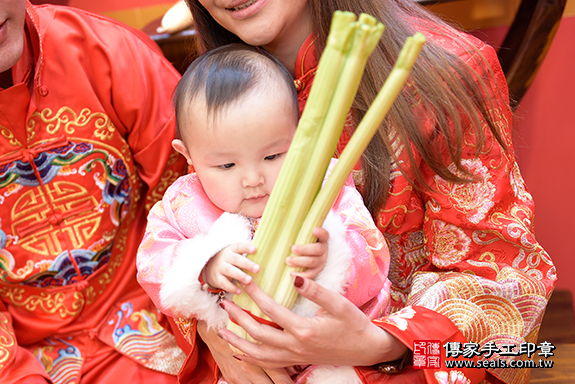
x: 227, y: 199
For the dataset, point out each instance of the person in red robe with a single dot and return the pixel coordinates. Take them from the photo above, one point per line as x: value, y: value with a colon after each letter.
x: 86, y: 126
x: 443, y: 186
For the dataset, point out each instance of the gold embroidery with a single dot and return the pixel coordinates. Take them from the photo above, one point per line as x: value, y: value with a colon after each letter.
x: 507, y: 309
x: 105, y: 279
x: 9, y: 136
x: 475, y: 200
x: 502, y: 314
x: 186, y: 327
x: 412, y: 254
x: 518, y: 223
x: 489, y: 263
x: 68, y: 120
x: 127, y: 155
x: 527, y: 284
x: 147, y: 328
x: 463, y: 286
x: 395, y: 141
x: 467, y: 317
x: 47, y: 302
x: 166, y: 180
x: 30, y: 131
x: 397, y: 147
x: 518, y: 184
x: 65, y: 197
x: 90, y: 295
x: 168, y: 357
x: 119, y: 236
x: 156, y: 194
x: 451, y: 244
x: 32, y: 207
x: 20, y: 273
x: 7, y: 339
x: 42, y: 355
x: 173, y: 158
x: 120, y: 246
x: 500, y: 120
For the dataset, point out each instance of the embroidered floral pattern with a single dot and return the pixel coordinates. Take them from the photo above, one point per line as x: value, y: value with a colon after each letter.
x: 518, y: 185
x: 475, y: 199
x: 399, y: 319
x: 451, y: 377
x: 450, y: 242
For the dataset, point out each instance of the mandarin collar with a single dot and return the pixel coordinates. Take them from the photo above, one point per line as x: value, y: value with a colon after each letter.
x: 29, y: 68
x: 305, y: 63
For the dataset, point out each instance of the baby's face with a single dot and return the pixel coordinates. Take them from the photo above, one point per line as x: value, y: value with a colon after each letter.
x: 238, y: 156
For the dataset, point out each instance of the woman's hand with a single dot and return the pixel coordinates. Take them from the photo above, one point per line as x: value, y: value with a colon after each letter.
x: 339, y: 334
x: 235, y: 371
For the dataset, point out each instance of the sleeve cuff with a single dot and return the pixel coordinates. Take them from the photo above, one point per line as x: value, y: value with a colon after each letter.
x: 415, y: 323
x: 334, y: 275
x: 181, y: 289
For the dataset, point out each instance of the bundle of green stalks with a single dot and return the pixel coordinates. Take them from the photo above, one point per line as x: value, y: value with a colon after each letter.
x: 298, y: 203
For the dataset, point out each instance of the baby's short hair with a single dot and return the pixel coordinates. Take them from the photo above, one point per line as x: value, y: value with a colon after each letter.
x: 221, y: 76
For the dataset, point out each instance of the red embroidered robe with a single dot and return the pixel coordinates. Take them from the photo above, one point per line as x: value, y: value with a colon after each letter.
x: 465, y: 265
x: 85, y: 150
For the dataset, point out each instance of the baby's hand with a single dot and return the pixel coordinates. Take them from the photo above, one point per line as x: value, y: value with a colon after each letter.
x: 227, y: 265
x: 311, y: 256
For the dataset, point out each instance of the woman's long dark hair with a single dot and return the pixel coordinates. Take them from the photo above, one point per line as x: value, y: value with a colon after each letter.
x: 440, y: 81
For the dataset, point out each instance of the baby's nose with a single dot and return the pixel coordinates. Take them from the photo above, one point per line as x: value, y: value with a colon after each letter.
x: 253, y: 179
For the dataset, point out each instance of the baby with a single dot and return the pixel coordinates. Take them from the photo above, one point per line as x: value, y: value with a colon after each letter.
x: 237, y: 111
x: 236, y: 117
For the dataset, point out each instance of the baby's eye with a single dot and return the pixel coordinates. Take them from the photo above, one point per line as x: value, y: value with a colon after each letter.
x: 273, y: 157
x: 226, y: 166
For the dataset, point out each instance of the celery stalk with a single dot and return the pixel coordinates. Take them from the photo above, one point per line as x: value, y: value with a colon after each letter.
x: 271, y: 233
x: 369, y: 125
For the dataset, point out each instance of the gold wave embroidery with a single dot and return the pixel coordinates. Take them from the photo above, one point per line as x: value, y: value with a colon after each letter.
x: 9, y: 136
x: 46, y: 302
x: 7, y: 339
x: 68, y: 120
x: 512, y: 305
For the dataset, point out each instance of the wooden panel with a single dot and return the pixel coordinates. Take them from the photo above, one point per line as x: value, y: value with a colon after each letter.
x: 563, y: 371
x: 138, y: 17
x: 558, y: 324
x: 477, y: 14
x: 527, y: 43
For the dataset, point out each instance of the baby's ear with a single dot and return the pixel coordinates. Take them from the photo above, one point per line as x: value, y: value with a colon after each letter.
x: 179, y: 146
